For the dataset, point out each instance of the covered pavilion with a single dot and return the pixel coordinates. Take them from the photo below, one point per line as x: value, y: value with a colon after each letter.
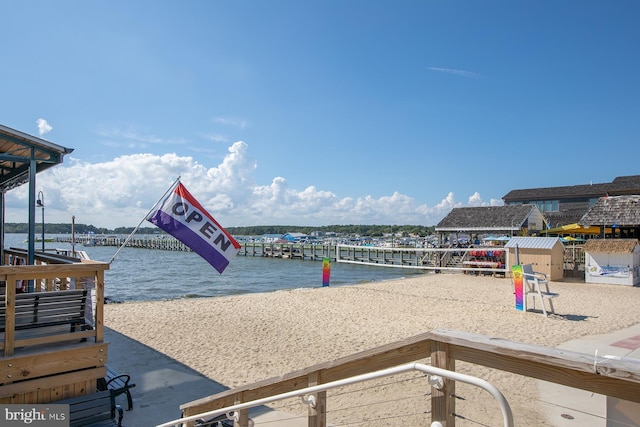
x: 22, y: 156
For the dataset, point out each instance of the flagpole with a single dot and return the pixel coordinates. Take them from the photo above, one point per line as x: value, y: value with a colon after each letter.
x: 143, y: 219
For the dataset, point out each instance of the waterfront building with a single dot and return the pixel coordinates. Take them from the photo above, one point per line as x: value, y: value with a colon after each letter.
x: 565, y: 205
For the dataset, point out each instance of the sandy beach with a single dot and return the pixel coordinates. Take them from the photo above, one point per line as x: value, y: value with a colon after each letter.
x: 242, y: 339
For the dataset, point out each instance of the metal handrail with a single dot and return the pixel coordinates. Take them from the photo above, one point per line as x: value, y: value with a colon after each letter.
x: 435, y: 380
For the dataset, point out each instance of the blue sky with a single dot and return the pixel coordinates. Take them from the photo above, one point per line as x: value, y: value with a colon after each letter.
x: 319, y: 112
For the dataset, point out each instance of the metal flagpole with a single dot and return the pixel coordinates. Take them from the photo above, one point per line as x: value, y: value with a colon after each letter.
x: 143, y: 219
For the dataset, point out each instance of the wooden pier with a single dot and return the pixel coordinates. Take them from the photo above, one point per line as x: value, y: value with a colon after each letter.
x: 147, y: 242
x: 437, y: 259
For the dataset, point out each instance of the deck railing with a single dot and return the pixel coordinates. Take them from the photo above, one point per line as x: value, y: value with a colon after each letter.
x: 610, y: 377
x: 436, y: 378
x: 52, y: 274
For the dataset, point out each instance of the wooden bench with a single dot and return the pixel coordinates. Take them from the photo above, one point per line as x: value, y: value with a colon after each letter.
x: 119, y: 383
x: 42, y: 309
x: 96, y: 409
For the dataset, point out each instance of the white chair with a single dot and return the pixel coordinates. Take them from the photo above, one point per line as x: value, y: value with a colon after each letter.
x: 535, y: 281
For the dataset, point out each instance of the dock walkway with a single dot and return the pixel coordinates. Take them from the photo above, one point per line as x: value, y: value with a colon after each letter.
x: 435, y: 259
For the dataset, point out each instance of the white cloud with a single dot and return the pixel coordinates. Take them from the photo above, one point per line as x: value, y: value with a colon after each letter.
x: 215, y: 137
x: 476, y: 200
x: 121, y: 191
x: 131, y: 137
x: 231, y: 121
x: 43, y: 127
x: 461, y: 73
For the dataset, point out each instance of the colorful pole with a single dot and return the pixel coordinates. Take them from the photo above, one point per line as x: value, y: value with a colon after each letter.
x: 326, y: 271
x: 518, y: 284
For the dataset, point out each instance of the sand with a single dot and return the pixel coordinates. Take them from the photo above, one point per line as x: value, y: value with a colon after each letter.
x: 242, y: 339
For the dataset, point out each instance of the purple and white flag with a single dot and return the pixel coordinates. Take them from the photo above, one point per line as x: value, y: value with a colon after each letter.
x: 180, y: 215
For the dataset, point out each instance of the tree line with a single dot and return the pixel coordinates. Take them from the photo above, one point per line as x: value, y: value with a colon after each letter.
x: 257, y: 230
x: 61, y: 228
x: 351, y: 229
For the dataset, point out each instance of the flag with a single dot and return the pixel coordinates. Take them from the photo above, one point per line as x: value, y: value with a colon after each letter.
x: 180, y: 215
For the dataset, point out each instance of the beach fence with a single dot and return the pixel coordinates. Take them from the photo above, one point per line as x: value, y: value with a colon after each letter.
x: 444, y: 405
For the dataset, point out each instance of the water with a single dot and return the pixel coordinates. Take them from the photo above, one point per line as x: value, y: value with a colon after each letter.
x: 145, y: 274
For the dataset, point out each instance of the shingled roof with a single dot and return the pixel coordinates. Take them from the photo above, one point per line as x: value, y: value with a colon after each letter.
x: 611, y: 246
x: 486, y: 218
x: 622, y: 185
x: 622, y: 211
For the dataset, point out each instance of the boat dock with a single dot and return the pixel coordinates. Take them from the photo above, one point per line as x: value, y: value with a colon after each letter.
x: 438, y: 259
x: 371, y: 255
x: 147, y: 242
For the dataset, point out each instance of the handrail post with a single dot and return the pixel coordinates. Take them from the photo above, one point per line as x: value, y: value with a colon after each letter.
x: 242, y: 419
x: 443, y: 405
x: 317, y: 411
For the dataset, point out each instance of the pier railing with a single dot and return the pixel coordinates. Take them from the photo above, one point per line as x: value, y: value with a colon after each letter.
x: 609, y: 377
x: 421, y: 258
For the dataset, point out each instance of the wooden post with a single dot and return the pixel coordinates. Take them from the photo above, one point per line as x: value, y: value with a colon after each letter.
x: 443, y: 404
x: 10, y: 316
x: 243, y: 418
x: 99, y: 319
x: 317, y: 412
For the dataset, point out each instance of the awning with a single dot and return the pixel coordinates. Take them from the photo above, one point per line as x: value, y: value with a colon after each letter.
x: 572, y: 239
x: 496, y: 239
x: 22, y: 156
x: 573, y: 229
x: 18, y: 151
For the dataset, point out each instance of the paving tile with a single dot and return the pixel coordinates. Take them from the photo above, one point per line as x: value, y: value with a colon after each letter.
x: 631, y: 343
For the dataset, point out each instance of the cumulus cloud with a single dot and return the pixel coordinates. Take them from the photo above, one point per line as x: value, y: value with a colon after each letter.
x: 120, y: 192
x: 43, y: 127
x: 476, y: 200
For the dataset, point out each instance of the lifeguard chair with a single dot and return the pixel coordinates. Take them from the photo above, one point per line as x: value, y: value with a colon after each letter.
x: 537, y: 286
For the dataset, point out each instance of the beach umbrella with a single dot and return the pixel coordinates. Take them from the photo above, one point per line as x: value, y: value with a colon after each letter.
x: 567, y: 239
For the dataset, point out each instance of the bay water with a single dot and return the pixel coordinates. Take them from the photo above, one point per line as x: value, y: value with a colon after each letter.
x: 146, y: 274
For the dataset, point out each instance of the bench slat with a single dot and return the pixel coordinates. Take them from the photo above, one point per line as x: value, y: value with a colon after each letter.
x: 92, y: 409
x: 41, y: 309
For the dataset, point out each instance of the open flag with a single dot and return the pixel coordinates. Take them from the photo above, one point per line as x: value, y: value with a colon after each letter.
x: 180, y: 215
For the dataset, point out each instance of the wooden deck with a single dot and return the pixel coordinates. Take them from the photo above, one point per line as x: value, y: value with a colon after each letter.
x: 45, y: 364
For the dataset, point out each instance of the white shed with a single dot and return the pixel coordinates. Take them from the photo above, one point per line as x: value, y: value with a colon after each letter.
x: 612, y: 261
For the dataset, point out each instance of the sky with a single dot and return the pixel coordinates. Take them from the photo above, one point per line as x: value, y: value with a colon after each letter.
x: 289, y: 112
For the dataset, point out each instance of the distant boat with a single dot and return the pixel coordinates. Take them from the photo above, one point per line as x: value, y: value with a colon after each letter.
x: 80, y: 255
